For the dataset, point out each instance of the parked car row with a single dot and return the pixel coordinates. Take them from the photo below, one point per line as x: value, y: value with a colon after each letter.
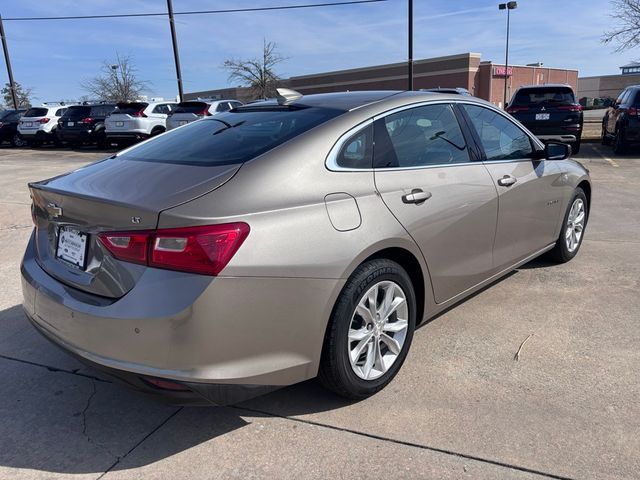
x: 103, y: 124
x: 621, y: 122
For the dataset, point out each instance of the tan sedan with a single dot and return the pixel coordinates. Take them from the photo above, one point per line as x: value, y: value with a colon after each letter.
x: 290, y: 239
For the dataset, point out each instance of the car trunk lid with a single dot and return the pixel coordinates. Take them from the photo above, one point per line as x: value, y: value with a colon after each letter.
x: 111, y: 195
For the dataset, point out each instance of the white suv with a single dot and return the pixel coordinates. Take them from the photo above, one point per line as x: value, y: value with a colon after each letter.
x: 193, y: 110
x: 38, y: 125
x: 137, y: 121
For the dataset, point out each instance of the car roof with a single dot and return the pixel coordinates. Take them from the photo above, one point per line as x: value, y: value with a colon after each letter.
x: 546, y: 85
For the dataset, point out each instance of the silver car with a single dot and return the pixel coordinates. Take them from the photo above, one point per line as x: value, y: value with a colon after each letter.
x: 291, y: 239
x: 190, y: 111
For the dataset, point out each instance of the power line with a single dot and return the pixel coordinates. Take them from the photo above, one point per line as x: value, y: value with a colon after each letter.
x: 195, y: 12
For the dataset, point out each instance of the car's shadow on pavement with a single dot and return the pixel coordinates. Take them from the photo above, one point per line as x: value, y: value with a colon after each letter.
x: 62, y: 417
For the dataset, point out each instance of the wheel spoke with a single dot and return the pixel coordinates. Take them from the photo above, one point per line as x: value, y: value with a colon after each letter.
x: 364, y: 312
x: 379, y: 361
x: 579, y: 218
x: 357, y: 335
x: 372, y: 297
x: 365, y: 342
x: 392, y: 308
x: 395, y: 327
x: 368, y: 364
x: 394, y: 346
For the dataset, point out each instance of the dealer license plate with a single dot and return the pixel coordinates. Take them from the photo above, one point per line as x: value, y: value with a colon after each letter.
x: 72, y: 246
x: 542, y: 116
x: 183, y: 122
x: 70, y: 124
x: 29, y: 124
x: 119, y: 124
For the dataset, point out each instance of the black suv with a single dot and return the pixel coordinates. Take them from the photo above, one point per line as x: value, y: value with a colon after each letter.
x: 85, y: 124
x: 9, y: 127
x: 621, y: 122
x: 551, y: 112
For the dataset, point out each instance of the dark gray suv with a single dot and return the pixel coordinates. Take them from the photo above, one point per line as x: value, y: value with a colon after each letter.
x: 550, y: 111
x: 621, y: 124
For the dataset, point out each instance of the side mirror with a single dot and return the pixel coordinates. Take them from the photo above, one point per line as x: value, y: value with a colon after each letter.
x: 557, y: 151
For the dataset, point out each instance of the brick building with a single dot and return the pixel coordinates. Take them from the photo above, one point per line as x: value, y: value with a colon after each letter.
x: 609, y: 85
x: 483, y: 79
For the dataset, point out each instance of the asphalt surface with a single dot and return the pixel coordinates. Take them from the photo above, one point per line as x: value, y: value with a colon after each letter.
x: 461, y: 407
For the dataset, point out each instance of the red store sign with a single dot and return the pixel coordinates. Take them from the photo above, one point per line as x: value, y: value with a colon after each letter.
x: 500, y: 71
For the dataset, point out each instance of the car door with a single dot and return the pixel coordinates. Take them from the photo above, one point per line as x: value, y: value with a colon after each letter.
x: 435, y: 186
x: 530, y: 191
x: 614, y: 112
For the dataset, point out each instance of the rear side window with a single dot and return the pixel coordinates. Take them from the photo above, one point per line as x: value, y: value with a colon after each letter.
x: 60, y: 112
x: 222, y: 107
x: 162, y: 108
x: 11, y: 116
x: 36, y: 112
x: 547, y: 95
x: 192, y: 107
x: 500, y: 137
x: 357, y: 151
x: 418, y: 137
x: 230, y: 137
x: 102, y: 110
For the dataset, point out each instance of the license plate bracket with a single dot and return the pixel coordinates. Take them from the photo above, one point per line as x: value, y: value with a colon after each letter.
x: 72, y: 247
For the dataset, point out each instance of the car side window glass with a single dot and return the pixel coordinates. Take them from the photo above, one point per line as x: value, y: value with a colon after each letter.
x: 60, y: 112
x: 500, y: 137
x: 356, y: 151
x: 621, y: 97
x: 418, y: 137
x: 222, y: 107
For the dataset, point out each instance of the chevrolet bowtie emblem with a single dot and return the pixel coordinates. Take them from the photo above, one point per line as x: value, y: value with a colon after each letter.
x: 53, y: 210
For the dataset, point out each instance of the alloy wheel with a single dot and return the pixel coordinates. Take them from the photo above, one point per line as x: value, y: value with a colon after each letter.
x: 18, y: 141
x: 378, y: 330
x: 575, y: 225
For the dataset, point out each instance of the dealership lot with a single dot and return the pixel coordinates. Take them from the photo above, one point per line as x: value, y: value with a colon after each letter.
x: 461, y: 407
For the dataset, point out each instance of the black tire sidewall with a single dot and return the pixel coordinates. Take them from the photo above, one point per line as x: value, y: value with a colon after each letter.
x: 362, y: 280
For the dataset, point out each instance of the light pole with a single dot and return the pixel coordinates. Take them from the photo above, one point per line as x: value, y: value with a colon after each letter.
x: 410, y: 45
x: 508, y: 7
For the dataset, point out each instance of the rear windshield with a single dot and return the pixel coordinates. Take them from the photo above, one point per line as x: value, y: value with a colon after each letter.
x: 231, y: 137
x: 10, y: 116
x: 77, y: 111
x: 102, y: 110
x: 36, y: 112
x: 191, y: 107
x: 131, y: 108
x: 549, y: 95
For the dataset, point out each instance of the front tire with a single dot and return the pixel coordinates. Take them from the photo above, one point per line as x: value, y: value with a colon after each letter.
x: 619, y: 145
x: 17, y: 141
x: 605, y: 140
x: 572, y: 231
x: 370, y: 330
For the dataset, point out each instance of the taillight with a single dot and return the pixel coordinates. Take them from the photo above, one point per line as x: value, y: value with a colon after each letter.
x: 571, y: 108
x: 517, y: 109
x: 205, y: 111
x: 204, y: 249
x: 86, y: 120
x: 44, y: 120
x: 140, y: 113
x: 633, y: 111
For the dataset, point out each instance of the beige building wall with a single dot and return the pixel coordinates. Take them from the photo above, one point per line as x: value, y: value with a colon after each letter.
x: 606, y: 85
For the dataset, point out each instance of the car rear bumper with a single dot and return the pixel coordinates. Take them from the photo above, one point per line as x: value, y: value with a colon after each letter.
x: 250, y: 334
x: 74, y: 135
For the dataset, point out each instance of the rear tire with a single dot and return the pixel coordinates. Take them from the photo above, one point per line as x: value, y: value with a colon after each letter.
x: 575, y: 219
x: 619, y: 145
x: 605, y: 140
x: 17, y: 141
x: 365, y: 346
x: 575, y: 147
x: 101, y: 140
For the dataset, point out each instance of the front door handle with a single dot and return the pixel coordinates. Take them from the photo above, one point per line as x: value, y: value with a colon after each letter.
x: 507, y: 181
x: 417, y: 195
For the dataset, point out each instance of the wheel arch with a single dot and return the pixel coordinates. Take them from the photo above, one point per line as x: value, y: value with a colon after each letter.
x: 586, y: 188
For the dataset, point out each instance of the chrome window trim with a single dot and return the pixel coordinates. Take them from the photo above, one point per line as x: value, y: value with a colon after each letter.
x: 331, y: 162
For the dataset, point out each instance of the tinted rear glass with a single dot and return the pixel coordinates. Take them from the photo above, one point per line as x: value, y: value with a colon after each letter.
x: 102, y: 110
x: 10, y: 116
x: 191, y: 107
x: 232, y: 137
x: 549, y: 95
x: 78, y: 111
x: 36, y: 112
x: 131, y: 108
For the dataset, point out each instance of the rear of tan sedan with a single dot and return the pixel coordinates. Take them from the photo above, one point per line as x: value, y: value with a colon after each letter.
x: 284, y: 236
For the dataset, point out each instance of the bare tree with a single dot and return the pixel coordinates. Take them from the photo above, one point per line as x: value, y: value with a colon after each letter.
x: 257, y: 73
x: 22, y: 95
x: 117, y: 82
x: 626, y: 34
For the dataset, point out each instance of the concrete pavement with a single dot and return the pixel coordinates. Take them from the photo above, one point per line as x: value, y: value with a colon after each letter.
x: 461, y: 407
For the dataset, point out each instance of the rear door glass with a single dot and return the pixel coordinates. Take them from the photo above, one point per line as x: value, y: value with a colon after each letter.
x: 131, y: 108
x: 80, y: 111
x: 544, y: 96
x: 36, y: 112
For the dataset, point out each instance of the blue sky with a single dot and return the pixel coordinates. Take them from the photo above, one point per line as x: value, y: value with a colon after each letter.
x: 53, y: 57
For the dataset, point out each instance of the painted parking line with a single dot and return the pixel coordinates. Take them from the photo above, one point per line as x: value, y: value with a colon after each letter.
x: 611, y: 162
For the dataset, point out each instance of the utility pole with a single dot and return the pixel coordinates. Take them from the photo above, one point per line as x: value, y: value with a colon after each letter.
x: 410, y: 35
x: 508, y: 7
x: 12, y: 84
x: 176, y: 56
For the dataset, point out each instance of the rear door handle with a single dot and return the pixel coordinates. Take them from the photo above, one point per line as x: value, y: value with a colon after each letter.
x: 507, y: 181
x: 417, y: 195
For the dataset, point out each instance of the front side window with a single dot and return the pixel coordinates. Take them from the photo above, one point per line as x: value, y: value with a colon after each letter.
x: 418, y: 137
x: 500, y: 137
